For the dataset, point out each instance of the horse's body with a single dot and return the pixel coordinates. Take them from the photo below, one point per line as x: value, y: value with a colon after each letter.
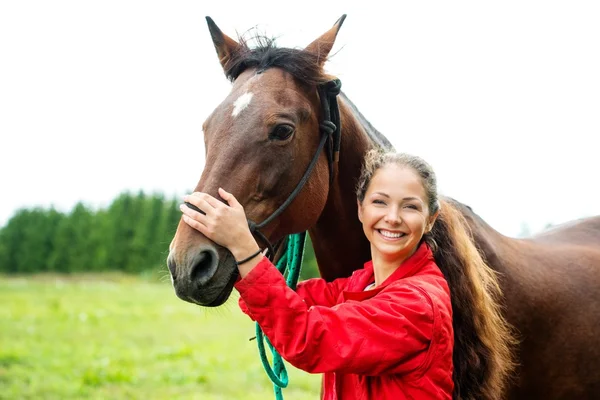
x: 551, y: 282
x: 551, y: 286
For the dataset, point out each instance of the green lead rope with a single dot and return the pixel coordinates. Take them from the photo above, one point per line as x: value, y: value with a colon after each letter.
x: 291, y: 262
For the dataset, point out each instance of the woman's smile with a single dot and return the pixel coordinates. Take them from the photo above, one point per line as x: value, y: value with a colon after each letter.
x: 390, y: 235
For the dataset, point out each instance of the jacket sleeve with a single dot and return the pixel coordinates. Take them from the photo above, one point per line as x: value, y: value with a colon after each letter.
x: 314, y: 292
x: 388, y: 333
x: 318, y: 292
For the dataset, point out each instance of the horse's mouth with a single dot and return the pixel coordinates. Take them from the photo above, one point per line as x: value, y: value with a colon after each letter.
x: 226, y: 292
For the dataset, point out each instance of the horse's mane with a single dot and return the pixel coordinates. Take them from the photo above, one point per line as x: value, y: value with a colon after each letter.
x: 301, y: 64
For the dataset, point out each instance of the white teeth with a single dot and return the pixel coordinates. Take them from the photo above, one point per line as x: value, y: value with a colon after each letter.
x: 391, y: 234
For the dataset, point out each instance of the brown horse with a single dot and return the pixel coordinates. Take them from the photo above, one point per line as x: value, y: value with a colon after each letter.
x: 259, y: 143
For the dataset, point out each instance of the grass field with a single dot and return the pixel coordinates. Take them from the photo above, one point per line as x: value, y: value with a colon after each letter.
x: 122, y: 337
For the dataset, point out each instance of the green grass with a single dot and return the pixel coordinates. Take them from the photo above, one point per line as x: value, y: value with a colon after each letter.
x: 119, y: 337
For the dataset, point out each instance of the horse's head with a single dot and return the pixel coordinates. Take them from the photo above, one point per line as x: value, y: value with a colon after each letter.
x: 259, y: 142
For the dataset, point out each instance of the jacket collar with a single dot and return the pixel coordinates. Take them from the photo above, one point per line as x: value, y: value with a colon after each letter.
x: 409, y: 267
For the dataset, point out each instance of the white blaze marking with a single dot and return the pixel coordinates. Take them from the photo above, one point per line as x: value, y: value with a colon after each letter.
x: 241, y: 103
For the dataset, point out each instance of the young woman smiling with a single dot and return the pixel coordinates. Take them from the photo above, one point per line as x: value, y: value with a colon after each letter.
x: 421, y: 320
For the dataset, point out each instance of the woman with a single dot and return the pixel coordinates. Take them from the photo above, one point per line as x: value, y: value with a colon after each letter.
x: 419, y: 321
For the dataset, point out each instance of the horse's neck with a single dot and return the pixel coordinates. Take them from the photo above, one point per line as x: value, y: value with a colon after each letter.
x: 494, y: 246
x: 338, y: 239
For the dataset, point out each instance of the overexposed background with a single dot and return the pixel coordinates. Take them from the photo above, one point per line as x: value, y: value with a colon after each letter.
x: 502, y: 98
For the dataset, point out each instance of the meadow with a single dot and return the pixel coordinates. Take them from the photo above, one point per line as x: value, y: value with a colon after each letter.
x: 114, y: 336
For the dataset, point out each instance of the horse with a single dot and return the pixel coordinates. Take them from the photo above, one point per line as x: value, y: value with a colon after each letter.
x: 270, y: 143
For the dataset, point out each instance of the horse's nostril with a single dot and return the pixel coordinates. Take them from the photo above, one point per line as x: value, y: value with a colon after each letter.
x: 204, y: 266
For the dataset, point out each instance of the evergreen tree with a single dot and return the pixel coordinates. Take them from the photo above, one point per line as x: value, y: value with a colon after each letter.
x: 72, y: 247
x: 99, y: 236
x: 145, y: 247
x: 120, y: 231
x: 12, y: 238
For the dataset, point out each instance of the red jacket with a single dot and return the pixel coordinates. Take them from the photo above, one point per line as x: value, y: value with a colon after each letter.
x: 392, y: 342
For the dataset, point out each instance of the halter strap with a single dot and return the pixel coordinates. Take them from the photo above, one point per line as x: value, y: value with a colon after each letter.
x: 330, y: 128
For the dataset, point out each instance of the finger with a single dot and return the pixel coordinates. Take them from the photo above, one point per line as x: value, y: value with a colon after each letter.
x: 193, y: 214
x: 229, y: 198
x: 193, y: 207
x: 195, y: 224
x: 192, y: 199
x: 199, y: 200
x: 212, y: 201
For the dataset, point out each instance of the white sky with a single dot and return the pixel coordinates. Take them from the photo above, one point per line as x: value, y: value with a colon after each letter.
x: 502, y: 98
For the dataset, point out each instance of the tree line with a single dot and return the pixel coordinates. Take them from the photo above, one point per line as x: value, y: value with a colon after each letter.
x: 131, y: 235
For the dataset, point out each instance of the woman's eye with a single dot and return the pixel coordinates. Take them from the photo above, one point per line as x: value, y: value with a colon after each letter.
x: 378, y: 202
x: 282, y: 132
x: 411, y: 206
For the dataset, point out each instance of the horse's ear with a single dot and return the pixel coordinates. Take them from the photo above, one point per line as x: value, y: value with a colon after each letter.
x: 323, y: 44
x: 224, y: 45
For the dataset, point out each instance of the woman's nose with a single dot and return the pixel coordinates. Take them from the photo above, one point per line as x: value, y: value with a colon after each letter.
x: 393, y: 216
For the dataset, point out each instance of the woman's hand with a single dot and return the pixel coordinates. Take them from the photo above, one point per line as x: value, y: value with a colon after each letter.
x: 224, y: 224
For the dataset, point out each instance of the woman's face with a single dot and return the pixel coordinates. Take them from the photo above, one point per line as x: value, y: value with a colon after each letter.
x: 394, y: 213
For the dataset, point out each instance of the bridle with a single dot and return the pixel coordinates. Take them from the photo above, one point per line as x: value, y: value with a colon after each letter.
x: 330, y: 130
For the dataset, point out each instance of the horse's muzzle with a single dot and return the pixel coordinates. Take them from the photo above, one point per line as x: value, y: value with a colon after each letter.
x: 203, y: 276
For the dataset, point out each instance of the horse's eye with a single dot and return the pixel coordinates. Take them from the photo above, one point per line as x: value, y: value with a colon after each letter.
x: 282, y: 132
